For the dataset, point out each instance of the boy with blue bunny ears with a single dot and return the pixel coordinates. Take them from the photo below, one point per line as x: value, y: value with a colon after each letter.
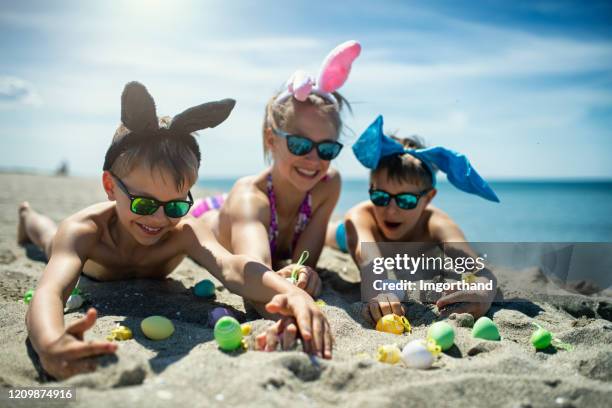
x: 402, y: 186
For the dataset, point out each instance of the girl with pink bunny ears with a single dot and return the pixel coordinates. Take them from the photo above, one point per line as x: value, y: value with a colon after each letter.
x: 275, y: 215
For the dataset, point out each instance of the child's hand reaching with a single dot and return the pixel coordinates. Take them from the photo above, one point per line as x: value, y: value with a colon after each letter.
x: 69, y: 354
x: 284, y: 331
x: 381, y: 305
x: 474, y: 302
x: 307, y: 278
x: 301, y: 317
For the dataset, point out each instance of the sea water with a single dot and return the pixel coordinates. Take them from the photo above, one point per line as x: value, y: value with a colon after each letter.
x: 530, y: 211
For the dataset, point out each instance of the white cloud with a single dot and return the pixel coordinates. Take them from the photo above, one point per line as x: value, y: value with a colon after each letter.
x: 18, y: 92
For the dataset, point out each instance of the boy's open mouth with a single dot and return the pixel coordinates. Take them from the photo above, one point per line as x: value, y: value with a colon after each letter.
x: 392, y: 225
x: 149, y: 230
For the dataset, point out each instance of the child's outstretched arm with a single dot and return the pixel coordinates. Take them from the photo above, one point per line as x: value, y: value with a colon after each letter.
x: 258, y: 283
x: 61, y: 349
x: 313, y: 237
x: 445, y: 231
x: 360, y: 226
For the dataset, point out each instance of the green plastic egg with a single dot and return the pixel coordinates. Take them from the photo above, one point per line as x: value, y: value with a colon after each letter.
x: 27, y: 298
x: 157, y: 327
x: 204, y: 289
x: 484, y: 328
x: 228, y: 333
x: 443, y: 334
x: 541, y: 338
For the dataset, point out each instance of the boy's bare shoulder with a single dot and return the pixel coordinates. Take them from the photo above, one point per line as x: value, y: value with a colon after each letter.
x: 87, y: 225
x: 361, y: 214
x: 442, y: 227
x: 437, y: 216
x: 361, y: 209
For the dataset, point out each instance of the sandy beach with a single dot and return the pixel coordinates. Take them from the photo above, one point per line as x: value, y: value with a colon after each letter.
x: 189, y: 370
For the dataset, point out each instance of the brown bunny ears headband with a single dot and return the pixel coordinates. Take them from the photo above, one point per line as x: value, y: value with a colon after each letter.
x: 139, y: 116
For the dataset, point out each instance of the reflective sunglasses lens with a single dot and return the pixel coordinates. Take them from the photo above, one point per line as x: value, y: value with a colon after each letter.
x: 329, y: 150
x: 176, y: 209
x: 379, y: 198
x: 144, y: 206
x: 406, y: 201
x: 298, y: 145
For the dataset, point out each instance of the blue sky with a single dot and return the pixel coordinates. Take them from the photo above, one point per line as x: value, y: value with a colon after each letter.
x: 523, y: 88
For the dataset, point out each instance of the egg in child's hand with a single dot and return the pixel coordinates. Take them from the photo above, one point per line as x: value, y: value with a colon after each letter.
x: 157, y: 327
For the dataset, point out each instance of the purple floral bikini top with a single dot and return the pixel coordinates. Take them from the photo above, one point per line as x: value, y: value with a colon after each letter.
x: 304, y: 214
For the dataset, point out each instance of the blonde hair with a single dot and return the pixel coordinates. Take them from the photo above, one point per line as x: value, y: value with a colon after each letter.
x: 282, y: 115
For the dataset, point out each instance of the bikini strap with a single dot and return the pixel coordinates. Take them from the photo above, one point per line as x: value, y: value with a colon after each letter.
x: 273, y: 229
x: 304, y: 214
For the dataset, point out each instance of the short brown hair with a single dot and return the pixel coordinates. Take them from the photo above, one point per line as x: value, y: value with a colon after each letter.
x: 164, y: 150
x: 405, y: 167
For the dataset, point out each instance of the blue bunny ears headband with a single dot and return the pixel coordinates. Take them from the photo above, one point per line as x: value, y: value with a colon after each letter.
x: 373, y: 145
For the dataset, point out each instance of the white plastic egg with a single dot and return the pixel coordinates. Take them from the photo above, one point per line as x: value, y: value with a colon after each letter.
x: 416, y: 355
x: 74, y: 302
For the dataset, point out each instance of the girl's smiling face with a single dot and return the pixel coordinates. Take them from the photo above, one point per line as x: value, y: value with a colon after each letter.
x: 303, y: 172
x: 155, y: 183
x: 396, y: 223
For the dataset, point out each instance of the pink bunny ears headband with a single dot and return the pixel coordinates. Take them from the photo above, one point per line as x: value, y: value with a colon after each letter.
x: 332, y: 75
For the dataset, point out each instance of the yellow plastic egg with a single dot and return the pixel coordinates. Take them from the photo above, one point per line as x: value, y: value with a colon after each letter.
x: 120, y: 333
x: 389, y: 353
x: 468, y: 277
x: 246, y: 329
x: 393, y: 323
x: 157, y: 327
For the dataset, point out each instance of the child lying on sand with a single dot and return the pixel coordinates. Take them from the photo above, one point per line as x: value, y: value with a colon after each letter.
x: 142, y: 233
x: 402, y: 186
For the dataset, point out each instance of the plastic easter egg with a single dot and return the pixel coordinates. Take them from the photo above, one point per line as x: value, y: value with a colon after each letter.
x: 468, y: 277
x: 74, y: 302
x: 228, y: 333
x: 389, y: 353
x: 27, y: 298
x: 484, y: 328
x: 205, y: 289
x: 245, y: 329
x: 419, y: 354
x: 217, y: 313
x: 120, y: 333
x: 393, y: 323
x: 157, y: 327
x: 443, y: 334
x: 541, y: 338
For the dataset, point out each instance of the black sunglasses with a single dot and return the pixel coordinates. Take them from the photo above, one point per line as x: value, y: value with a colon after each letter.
x: 148, y: 206
x: 405, y: 201
x: 301, y: 145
